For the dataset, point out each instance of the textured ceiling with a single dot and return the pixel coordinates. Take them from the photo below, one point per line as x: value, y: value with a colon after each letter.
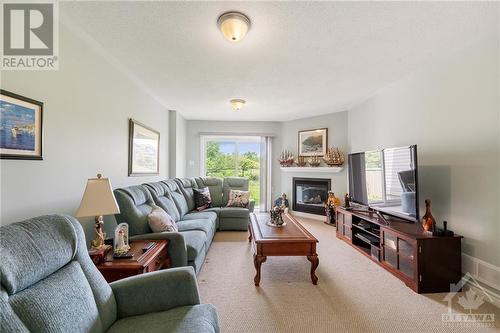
x: 299, y: 58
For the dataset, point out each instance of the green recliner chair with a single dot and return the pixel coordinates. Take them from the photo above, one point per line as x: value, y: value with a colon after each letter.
x: 50, y: 284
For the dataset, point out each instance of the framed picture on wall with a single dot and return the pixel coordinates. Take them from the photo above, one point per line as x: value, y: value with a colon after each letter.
x: 144, y: 150
x: 20, y: 127
x: 313, y: 142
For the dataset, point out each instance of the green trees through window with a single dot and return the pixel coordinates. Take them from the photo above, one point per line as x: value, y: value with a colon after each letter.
x: 235, y: 158
x: 373, y: 164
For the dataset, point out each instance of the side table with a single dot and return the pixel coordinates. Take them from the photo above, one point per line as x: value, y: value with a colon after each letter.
x: 155, y: 258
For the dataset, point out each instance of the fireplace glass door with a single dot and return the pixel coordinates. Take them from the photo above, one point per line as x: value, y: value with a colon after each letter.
x: 310, y: 194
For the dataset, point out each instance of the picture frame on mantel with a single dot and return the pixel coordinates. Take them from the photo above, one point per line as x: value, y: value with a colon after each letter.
x: 144, y: 150
x: 313, y: 142
x: 21, y: 125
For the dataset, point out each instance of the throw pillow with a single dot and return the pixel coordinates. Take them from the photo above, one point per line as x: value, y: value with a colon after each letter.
x: 202, y: 199
x: 238, y: 198
x: 160, y: 221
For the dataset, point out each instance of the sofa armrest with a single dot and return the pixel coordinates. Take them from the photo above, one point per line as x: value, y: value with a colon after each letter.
x: 155, y: 291
x: 176, y: 246
x: 251, y: 206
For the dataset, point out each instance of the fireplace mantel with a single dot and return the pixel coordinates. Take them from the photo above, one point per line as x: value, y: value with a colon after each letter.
x: 312, y: 169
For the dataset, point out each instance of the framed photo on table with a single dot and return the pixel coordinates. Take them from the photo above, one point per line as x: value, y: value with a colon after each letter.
x: 144, y: 150
x: 20, y: 127
x: 313, y: 142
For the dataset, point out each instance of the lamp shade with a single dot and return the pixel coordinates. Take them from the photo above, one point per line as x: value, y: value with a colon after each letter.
x: 98, y: 199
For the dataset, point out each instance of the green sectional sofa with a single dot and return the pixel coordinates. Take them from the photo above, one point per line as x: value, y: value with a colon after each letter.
x: 189, y: 245
x: 50, y: 284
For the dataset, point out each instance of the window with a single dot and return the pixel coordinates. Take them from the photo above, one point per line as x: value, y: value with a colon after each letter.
x: 384, y: 172
x: 374, y: 180
x: 397, y: 162
x: 238, y: 156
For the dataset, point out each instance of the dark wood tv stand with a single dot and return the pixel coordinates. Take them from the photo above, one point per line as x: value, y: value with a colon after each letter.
x: 425, y: 263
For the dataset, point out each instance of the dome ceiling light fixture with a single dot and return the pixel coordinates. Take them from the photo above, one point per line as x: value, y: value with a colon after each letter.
x: 237, y: 103
x: 233, y: 25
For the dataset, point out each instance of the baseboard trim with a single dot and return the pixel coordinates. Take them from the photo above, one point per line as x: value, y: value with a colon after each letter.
x: 494, y: 297
x: 486, y: 274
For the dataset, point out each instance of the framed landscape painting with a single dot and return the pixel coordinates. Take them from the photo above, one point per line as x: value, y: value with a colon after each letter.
x: 20, y: 127
x: 144, y: 150
x: 313, y: 142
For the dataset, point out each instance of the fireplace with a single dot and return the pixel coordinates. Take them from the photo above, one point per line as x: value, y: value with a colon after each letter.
x: 309, y: 195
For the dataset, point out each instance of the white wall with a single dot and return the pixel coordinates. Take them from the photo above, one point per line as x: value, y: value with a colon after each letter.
x: 337, y: 137
x: 450, y: 109
x: 177, y: 144
x: 180, y: 156
x: 195, y: 127
x: 87, y: 104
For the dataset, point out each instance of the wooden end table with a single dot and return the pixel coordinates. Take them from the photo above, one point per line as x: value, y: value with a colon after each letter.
x: 290, y: 240
x: 154, y: 259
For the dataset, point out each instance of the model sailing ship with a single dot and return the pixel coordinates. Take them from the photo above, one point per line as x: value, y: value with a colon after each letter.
x: 333, y: 157
x: 286, y: 158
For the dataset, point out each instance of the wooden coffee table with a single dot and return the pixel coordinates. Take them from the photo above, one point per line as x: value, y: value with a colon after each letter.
x: 290, y: 240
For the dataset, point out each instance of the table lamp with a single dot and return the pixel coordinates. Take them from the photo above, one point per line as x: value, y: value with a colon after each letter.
x: 98, y: 200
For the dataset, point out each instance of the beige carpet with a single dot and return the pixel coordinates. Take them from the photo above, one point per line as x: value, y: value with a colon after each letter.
x: 353, y: 294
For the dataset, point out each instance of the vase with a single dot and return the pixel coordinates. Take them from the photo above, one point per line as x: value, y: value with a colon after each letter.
x: 428, y: 220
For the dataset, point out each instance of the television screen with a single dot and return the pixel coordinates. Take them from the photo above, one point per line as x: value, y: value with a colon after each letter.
x: 386, y: 180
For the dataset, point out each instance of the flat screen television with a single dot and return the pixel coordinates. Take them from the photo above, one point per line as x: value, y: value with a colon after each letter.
x: 386, y: 180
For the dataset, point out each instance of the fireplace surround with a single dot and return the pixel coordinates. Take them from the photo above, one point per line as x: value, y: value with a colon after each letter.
x: 309, y: 194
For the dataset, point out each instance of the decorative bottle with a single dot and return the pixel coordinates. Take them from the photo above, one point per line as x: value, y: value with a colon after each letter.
x: 428, y: 220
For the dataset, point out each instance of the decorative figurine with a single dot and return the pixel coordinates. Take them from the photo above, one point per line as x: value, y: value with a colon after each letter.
x: 333, y: 157
x: 286, y: 158
x: 276, y: 216
x: 347, y: 201
x: 98, y: 242
x: 331, y: 202
x: 282, y: 202
x: 428, y: 220
x: 121, y: 246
